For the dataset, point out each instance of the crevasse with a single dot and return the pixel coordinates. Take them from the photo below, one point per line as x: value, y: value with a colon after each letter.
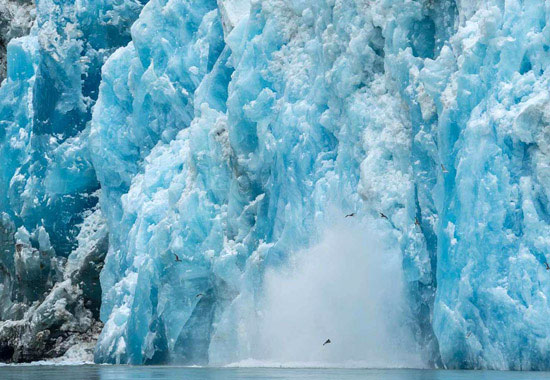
x: 232, y: 134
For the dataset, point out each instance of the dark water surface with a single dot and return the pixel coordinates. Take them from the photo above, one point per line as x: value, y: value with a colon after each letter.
x: 46, y: 372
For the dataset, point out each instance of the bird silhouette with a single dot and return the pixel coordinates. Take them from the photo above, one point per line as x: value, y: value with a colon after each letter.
x: 327, y: 342
x: 350, y: 215
x: 178, y: 260
x: 416, y: 222
x: 199, y: 295
x: 383, y: 216
x: 547, y: 266
x: 444, y: 168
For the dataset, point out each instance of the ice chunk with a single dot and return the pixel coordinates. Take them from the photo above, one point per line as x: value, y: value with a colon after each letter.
x: 232, y: 12
x: 16, y: 18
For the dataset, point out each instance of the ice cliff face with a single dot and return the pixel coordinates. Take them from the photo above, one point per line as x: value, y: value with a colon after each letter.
x: 228, y: 135
x: 47, y: 183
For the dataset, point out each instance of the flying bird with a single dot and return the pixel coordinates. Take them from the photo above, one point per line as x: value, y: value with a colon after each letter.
x: 350, y: 215
x: 199, y: 295
x: 178, y: 260
x: 547, y: 266
x: 383, y: 216
x: 444, y: 168
x: 327, y: 342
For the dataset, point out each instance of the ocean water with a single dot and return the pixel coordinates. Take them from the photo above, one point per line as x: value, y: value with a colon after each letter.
x: 111, y: 372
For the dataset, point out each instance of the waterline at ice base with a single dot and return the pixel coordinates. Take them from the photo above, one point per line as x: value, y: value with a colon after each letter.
x: 296, y: 183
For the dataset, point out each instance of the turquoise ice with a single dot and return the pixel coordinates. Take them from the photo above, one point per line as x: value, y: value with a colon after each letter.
x: 47, y: 182
x: 232, y: 135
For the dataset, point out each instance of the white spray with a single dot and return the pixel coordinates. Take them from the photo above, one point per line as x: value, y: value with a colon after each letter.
x: 348, y: 289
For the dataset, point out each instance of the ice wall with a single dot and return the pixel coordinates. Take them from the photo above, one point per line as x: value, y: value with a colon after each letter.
x: 141, y: 156
x: 431, y: 113
x: 230, y: 135
x: 47, y: 182
x: 489, y: 87
x: 272, y: 141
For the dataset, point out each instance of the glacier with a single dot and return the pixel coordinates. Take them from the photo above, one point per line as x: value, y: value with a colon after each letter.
x: 193, y: 150
x: 48, y: 187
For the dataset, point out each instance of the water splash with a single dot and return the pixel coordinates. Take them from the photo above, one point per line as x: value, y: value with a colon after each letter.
x: 348, y: 288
